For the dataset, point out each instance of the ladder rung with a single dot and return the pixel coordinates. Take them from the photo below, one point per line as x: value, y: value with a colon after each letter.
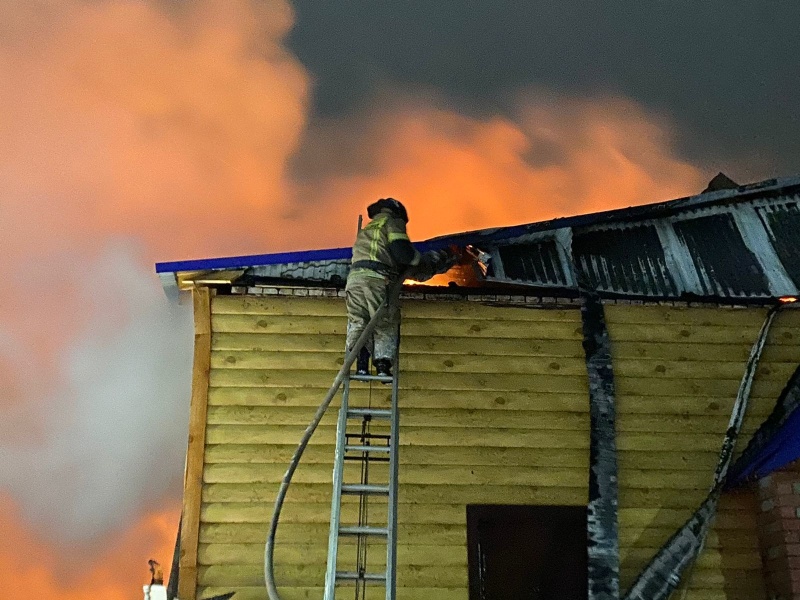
x: 377, y: 413
x: 363, y: 530
x: 353, y: 576
x: 384, y: 449
x: 362, y: 435
x: 367, y: 458
x: 365, y: 488
x: 381, y: 378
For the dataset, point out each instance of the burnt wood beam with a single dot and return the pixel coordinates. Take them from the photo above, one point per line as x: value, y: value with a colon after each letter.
x: 674, y: 559
x: 174, y: 572
x: 602, y: 521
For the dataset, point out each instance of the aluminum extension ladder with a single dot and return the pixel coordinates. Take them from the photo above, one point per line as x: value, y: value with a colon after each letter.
x: 356, y: 442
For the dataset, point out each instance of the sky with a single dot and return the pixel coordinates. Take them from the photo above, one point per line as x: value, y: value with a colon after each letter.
x: 137, y: 131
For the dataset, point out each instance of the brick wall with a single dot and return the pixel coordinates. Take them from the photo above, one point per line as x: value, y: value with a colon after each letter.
x: 779, y: 531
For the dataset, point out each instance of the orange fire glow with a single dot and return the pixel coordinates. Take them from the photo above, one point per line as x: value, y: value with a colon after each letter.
x: 174, y: 128
x: 455, y: 173
x: 435, y: 281
x: 32, y: 568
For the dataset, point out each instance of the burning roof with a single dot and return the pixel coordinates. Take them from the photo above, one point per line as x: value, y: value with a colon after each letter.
x: 730, y: 243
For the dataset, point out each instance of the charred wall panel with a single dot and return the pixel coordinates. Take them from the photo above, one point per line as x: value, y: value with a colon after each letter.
x: 677, y: 373
x: 629, y: 260
x: 725, y: 266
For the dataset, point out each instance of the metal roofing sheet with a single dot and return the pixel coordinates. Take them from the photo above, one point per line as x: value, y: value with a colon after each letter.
x: 624, y: 260
x: 769, y: 187
x: 776, y: 442
x: 782, y: 222
x: 724, y: 264
x: 328, y: 270
x: 233, y: 262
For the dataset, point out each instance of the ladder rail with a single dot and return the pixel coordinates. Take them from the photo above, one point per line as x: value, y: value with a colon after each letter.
x: 336, y: 499
x: 363, y: 530
x: 394, y: 450
x: 350, y: 358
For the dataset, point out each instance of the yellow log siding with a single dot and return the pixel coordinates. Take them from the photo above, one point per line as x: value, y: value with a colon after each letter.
x: 494, y: 410
x: 730, y: 566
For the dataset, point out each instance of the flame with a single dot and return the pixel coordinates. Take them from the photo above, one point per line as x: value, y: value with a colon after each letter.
x: 560, y: 157
x: 787, y: 300
x: 147, y: 132
x: 435, y: 281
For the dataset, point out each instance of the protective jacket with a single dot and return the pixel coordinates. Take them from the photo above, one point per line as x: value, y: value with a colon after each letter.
x: 382, y: 248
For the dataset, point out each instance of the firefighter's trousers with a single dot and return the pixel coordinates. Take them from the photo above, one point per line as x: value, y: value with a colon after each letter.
x: 364, y: 294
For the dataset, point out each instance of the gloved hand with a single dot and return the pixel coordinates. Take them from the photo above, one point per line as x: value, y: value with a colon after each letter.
x: 460, y: 254
x: 457, y: 253
x: 446, y: 258
x: 434, y: 262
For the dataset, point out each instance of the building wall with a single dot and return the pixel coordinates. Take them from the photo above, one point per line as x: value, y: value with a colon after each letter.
x: 677, y: 372
x: 493, y: 410
x: 779, y: 529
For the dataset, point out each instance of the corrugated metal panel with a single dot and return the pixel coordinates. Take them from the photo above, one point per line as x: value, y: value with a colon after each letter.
x: 782, y: 222
x: 725, y: 266
x: 533, y: 262
x: 629, y: 260
x: 322, y: 270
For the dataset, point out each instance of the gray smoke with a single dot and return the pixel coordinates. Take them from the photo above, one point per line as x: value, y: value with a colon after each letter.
x: 114, y: 432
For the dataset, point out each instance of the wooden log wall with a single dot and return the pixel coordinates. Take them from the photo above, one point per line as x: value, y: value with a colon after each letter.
x: 682, y: 367
x: 494, y: 410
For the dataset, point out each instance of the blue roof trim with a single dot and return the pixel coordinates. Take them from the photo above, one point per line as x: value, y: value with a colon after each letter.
x: 257, y: 260
x: 253, y: 260
x: 782, y: 448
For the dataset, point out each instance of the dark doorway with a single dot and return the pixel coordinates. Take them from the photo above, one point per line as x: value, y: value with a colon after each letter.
x: 527, y: 552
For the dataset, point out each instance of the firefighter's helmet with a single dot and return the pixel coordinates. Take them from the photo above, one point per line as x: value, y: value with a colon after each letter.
x: 388, y: 203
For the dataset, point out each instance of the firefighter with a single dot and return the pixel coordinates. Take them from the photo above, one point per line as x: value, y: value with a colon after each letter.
x: 382, y: 253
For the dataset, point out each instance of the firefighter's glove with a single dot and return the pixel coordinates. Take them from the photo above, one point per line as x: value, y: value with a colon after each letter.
x: 457, y: 254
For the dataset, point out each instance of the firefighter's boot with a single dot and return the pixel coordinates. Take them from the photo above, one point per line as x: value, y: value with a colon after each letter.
x: 383, y: 366
x: 362, y: 362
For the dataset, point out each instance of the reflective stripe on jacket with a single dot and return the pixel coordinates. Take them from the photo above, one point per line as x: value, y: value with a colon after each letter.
x: 383, y: 246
